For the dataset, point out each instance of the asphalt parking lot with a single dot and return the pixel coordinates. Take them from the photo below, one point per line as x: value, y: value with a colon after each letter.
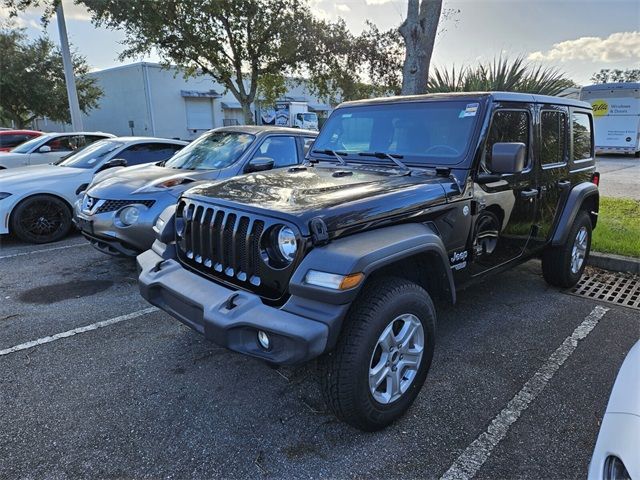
x: 141, y: 396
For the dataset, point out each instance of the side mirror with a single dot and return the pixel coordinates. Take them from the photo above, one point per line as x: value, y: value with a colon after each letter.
x: 259, y: 164
x: 507, y: 157
x: 114, y: 162
x: 44, y: 149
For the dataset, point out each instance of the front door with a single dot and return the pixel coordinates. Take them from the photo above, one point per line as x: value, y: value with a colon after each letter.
x: 505, y: 210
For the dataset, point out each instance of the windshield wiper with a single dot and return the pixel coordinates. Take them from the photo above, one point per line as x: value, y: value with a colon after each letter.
x: 393, y: 157
x: 328, y: 151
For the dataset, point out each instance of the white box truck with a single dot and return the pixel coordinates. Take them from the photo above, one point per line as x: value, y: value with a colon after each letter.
x: 290, y: 114
x: 616, y: 116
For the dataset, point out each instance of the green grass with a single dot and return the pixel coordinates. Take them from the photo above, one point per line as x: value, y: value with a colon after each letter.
x: 618, y: 229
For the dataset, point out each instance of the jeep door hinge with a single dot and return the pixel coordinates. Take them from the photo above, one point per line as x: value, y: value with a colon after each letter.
x: 319, y: 232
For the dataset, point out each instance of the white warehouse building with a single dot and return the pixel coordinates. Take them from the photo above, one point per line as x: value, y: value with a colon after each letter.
x: 146, y: 99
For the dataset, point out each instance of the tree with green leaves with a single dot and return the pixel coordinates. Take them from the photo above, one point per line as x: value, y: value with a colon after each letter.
x: 501, y: 74
x: 617, y: 75
x: 32, y: 83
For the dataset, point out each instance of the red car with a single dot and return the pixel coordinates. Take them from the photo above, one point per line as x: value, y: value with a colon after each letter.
x: 12, y: 138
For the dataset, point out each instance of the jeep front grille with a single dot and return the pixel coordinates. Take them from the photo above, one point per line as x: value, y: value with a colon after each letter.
x: 225, y: 244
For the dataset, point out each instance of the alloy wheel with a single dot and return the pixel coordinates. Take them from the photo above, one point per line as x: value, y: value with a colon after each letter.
x: 396, y: 358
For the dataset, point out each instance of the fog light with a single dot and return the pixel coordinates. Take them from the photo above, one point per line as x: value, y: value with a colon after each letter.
x: 129, y: 215
x: 263, y: 340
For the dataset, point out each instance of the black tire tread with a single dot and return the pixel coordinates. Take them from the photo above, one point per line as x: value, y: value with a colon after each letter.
x: 554, y: 259
x: 339, y: 394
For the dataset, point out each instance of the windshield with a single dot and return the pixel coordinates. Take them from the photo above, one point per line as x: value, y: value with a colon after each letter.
x: 211, y: 151
x: 428, y: 133
x: 90, y: 156
x: 27, y: 146
x: 308, y: 117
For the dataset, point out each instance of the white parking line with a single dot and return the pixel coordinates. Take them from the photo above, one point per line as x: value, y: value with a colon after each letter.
x: 476, y: 454
x: 76, y: 331
x: 21, y: 254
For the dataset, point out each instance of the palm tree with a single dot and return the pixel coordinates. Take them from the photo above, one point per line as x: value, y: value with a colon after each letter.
x: 501, y: 74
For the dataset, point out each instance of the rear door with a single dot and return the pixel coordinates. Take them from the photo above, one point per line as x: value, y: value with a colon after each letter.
x: 553, y: 151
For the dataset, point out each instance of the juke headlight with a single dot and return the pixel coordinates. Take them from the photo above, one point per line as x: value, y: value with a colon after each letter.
x: 287, y: 243
x: 4, y: 195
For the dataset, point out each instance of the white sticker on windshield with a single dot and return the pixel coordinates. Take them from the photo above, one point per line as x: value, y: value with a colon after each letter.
x: 347, y: 115
x: 470, y: 111
x: 92, y: 161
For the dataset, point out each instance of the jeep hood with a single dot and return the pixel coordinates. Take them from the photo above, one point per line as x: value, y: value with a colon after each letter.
x: 145, y: 178
x: 340, y: 196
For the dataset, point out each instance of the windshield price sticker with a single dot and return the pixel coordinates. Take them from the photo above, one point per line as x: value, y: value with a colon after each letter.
x: 470, y: 111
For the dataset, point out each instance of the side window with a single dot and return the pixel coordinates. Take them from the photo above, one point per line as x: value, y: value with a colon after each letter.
x: 148, y: 153
x: 581, y: 125
x: 93, y: 138
x: 281, y: 149
x: 553, y: 132
x: 508, y: 126
x: 60, y: 144
x: 10, y: 141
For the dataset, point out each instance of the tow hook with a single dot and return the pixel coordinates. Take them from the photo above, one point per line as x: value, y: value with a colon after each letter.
x: 230, y: 303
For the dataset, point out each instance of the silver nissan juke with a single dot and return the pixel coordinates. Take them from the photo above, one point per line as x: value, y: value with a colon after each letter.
x: 118, y: 210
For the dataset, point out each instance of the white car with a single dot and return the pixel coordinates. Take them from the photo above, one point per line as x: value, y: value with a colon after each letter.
x: 49, y: 148
x: 36, y: 202
x: 616, y: 455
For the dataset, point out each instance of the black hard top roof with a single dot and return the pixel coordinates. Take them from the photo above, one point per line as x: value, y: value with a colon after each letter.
x: 495, y: 96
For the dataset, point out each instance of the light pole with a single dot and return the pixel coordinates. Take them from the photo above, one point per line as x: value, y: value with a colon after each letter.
x: 74, y: 105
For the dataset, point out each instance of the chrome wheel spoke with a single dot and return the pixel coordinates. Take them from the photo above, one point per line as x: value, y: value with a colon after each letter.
x: 378, y: 374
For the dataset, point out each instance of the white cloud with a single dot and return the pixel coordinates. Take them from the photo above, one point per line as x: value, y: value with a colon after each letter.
x: 616, y: 47
x: 75, y: 12
x: 341, y: 7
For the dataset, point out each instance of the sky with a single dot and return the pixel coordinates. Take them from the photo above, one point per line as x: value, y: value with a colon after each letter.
x: 577, y: 36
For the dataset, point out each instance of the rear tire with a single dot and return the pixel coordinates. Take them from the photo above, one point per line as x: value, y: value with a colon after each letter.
x: 41, y: 219
x: 370, y: 379
x: 562, y: 266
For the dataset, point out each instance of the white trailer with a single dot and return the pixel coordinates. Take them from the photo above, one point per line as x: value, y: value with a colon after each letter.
x: 616, y: 116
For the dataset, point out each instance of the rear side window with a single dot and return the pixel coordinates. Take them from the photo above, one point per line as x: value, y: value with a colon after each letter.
x: 281, y: 149
x: 581, y: 124
x: 508, y: 126
x: 553, y: 132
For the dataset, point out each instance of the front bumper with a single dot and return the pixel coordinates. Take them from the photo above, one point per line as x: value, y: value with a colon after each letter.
x: 108, y: 237
x: 233, y: 318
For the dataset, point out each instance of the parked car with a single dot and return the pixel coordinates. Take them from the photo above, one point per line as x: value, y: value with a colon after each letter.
x: 403, y: 200
x: 48, y: 148
x: 12, y: 138
x: 36, y: 202
x: 616, y: 455
x: 119, y: 210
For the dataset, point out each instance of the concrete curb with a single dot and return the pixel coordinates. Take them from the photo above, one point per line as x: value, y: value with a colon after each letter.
x: 616, y: 263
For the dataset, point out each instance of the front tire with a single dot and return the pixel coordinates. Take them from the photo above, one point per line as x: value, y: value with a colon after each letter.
x: 382, y: 356
x: 562, y: 266
x: 41, y: 219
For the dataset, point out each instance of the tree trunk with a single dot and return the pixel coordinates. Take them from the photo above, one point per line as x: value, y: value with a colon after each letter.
x: 419, y: 33
x: 246, y: 111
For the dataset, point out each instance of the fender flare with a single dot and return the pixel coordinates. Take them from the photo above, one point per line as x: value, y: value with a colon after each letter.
x: 577, y: 197
x: 367, y: 252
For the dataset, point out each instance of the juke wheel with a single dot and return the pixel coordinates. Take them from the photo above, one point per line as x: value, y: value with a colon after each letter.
x: 383, y: 355
x: 563, y: 266
x: 41, y: 219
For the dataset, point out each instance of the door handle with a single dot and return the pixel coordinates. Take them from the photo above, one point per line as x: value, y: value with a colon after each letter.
x: 529, y: 193
x: 563, y: 184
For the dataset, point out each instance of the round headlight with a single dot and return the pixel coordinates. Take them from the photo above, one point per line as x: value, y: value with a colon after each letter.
x: 287, y: 244
x: 129, y: 215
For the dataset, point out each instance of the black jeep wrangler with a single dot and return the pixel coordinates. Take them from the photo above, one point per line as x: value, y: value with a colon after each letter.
x: 401, y: 201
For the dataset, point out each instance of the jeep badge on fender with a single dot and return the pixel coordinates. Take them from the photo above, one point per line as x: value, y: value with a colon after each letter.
x: 401, y: 202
